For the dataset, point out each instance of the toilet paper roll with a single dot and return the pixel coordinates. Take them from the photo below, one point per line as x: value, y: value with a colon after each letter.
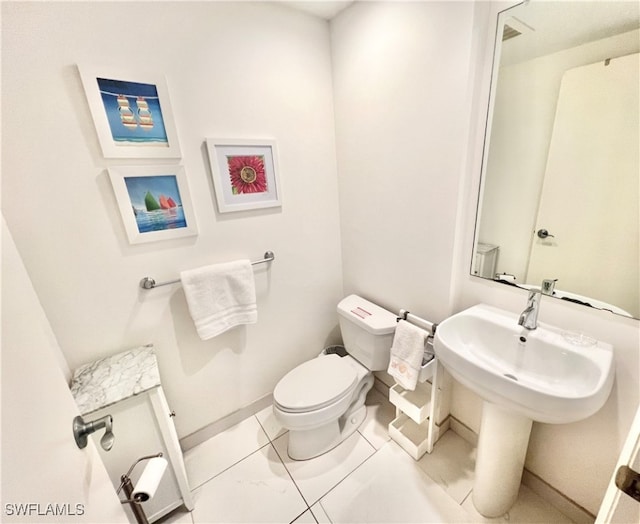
x: 148, y: 482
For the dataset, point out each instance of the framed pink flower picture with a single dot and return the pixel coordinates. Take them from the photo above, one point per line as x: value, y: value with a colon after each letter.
x: 244, y: 173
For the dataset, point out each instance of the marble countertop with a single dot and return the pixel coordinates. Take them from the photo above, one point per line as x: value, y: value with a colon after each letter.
x: 115, y: 378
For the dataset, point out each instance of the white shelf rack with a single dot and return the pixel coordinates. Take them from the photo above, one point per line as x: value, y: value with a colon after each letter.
x: 414, y: 428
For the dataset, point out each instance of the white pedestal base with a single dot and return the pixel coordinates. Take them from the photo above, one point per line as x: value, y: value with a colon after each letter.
x: 502, y: 447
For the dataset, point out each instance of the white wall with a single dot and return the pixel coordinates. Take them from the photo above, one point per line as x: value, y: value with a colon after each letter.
x: 400, y: 89
x: 237, y: 70
x: 401, y: 147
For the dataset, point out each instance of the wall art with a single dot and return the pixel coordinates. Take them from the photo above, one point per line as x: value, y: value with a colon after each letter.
x: 154, y: 202
x: 244, y: 173
x: 131, y: 113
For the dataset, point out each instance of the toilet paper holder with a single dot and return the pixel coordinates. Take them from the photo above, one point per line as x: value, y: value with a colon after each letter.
x: 145, y: 487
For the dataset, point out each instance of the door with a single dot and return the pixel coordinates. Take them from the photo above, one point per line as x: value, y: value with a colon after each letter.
x: 45, y: 476
x: 594, y: 158
x: 618, y: 507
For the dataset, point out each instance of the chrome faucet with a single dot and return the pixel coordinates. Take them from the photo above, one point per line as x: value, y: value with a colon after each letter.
x: 529, y: 317
x: 548, y: 285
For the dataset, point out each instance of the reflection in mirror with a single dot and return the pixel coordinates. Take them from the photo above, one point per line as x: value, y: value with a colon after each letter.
x: 560, y: 191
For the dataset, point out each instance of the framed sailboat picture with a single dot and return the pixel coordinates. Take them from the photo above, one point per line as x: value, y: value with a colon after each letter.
x: 131, y: 113
x: 154, y: 202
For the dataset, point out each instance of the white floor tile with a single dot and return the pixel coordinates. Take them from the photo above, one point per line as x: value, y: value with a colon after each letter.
x: 179, y: 516
x: 268, y: 421
x: 242, y: 479
x: 380, y: 413
x: 319, y: 513
x: 317, y: 476
x: 451, y: 465
x: 390, y: 487
x: 530, y: 508
x: 306, y: 518
x: 258, y: 489
x: 210, y: 458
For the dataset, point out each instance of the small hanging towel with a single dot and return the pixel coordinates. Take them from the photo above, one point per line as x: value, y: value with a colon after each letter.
x: 220, y: 296
x: 407, y: 351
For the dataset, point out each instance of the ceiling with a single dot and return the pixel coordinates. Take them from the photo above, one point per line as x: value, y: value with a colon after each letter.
x: 326, y: 10
x: 560, y: 25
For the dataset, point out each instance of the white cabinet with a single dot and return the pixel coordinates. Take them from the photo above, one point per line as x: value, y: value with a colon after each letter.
x: 127, y: 387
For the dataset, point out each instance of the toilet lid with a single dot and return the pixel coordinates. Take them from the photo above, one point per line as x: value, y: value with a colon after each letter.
x: 315, y: 383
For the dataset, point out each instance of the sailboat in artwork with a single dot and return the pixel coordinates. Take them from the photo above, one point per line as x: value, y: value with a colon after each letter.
x: 150, y: 202
x: 167, y: 203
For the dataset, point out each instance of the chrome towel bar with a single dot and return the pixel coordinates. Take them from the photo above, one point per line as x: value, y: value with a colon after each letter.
x: 418, y: 321
x: 150, y: 283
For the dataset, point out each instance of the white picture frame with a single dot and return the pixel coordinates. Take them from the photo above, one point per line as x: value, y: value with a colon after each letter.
x: 131, y: 112
x: 154, y: 202
x: 244, y: 173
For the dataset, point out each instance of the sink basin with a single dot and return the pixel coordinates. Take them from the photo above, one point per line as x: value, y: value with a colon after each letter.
x: 544, y: 374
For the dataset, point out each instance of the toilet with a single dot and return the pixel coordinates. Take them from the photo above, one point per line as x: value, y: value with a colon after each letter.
x: 321, y: 402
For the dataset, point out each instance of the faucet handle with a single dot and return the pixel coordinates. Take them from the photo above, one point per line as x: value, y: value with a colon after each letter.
x: 548, y: 285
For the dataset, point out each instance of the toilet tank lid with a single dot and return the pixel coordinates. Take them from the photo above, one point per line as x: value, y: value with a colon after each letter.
x: 369, y: 316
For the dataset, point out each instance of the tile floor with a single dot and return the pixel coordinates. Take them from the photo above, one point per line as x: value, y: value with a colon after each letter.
x: 244, y: 475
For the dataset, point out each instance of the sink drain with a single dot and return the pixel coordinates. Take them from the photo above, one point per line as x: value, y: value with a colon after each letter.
x: 512, y: 377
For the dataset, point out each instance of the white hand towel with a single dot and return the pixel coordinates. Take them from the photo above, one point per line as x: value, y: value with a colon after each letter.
x: 220, y: 296
x: 407, y: 351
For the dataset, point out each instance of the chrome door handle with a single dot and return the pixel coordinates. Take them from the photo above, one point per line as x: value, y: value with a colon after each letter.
x: 628, y: 481
x: 543, y: 233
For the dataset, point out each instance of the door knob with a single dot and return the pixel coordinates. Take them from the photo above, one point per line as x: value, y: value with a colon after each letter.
x: 628, y: 481
x: 543, y: 233
x: 82, y: 429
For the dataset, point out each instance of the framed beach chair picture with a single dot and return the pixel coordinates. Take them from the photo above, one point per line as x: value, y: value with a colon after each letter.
x: 131, y: 112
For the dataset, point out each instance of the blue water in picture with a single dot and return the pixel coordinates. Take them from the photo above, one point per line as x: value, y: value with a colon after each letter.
x: 160, y: 219
x: 156, y: 202
x: 133, y: 112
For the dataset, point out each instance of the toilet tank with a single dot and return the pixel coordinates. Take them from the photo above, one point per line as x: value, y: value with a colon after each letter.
x: 367, y: 331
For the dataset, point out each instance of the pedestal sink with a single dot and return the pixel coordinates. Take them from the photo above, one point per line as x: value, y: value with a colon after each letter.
x: 544, y: 375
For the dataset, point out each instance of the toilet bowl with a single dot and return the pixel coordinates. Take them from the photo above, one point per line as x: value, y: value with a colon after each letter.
x: 322, y: 401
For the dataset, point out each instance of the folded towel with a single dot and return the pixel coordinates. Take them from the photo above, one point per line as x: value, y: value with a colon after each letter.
x: 407, y: 351
x: 220, y: 297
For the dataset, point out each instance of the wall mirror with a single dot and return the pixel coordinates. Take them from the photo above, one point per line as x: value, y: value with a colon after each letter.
x: 559, y: 195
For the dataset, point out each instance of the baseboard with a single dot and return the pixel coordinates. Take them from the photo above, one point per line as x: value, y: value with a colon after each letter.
x: 380, y: 386
x: 210, y: 430
x: 443, y: 427
x: 464, y: 431
x: 540, y: 487
x: 562, y: 503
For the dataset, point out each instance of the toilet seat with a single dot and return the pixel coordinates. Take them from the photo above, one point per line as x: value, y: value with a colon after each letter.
x: 315, y: 384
